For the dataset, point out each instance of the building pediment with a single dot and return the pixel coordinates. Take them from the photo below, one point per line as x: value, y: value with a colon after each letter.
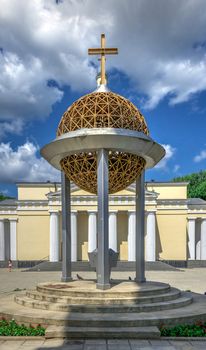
x: 81, y: 194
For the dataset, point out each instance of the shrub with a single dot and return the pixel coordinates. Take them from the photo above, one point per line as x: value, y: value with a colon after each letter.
x: 11, y: 328
x: 194, y: 330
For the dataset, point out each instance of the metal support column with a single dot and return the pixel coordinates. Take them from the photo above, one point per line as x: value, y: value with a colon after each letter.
x: 102, y: 223
x: 66, y: 230
x: 140, y: 218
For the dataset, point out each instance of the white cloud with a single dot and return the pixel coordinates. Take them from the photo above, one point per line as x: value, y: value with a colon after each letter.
x: 23, y: 164
x: 161, y: 45
x: 24, y: 89
x: 200, y: 156
x: 5, y: 192
x: 162, y: 165
x: 14, y: 127
x: 176, y: 168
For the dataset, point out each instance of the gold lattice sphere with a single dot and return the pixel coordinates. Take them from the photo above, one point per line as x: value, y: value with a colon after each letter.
x: 102, y: 110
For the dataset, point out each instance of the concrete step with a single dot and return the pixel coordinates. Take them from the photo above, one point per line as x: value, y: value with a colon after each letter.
x: 196, y: 263
x: 151, y: 332
x: 149, y: 266
x: 188, y: 314
x: 57, y: 266
x: 85, y: 266
x: 165, y: 305
x: 122, y: 288
x: 172, y: 294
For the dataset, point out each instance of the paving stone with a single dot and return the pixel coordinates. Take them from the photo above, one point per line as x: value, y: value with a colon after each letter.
x: 33, y: 342
x: 137, y: 347
x: 6, y: 347
x: 196, y: 347
x: 159, y: 342
x: 54, y: 342
x: 181, y: 344
x: 95, y: 341
x: 118, y: 347
x: 136, y: 342
x: 118, y: 341
x: 74, y: 342
x: 95, y: 347
x: 69, y: 347
x: 31, y: 347
x: 44, y: 347
x: 144, y: 348
x: 198, y: 342
x: 12, y: 344
x: 162, y: 347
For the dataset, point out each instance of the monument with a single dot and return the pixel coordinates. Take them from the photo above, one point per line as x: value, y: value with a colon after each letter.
x: 103, y: 145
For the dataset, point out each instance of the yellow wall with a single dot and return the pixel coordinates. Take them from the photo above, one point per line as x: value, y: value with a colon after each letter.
x: 33, y: 236
x: 124, y: 193
x: 8, y: 216
x: 80, y: 192
x: 169, y: 191
x: 38, y: 191
x: 82, y: 236
x: 35, y: 192
x: 122, y: 233
x: 33, y: 226
x: 171, y: 236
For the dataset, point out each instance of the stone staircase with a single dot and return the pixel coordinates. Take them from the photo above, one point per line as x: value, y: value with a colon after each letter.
x: 128, y: 310
x: 85, y: 266
x: 170, y: 300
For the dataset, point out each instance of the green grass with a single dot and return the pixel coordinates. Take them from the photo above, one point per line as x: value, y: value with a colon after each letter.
x: 184, y: 330
x: 11, y: 328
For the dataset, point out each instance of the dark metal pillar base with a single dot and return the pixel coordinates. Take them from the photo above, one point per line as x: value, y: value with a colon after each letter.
x: 140, y: 280
x: 66, y: 279
x: 103, y: 286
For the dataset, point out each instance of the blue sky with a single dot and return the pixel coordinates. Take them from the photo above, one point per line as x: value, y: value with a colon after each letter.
x: 44, y: 66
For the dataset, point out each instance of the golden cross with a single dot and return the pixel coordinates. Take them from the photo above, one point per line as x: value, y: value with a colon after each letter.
x: 103, y: 51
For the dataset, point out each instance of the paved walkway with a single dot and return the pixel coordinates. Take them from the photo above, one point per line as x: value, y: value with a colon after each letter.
x: 102, y: 344
x: 188, y: 279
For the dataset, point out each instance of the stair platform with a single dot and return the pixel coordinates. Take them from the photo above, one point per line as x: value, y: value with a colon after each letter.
x: 151, y: 332
x: 128, y: 310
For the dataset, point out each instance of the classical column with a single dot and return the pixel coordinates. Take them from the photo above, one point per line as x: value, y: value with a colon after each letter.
x: 2, y: 240
x: 113, y: 230
x: 203, y: 240
x: 66, y: 229
x: 92, y: 231
x: 131, y: 235
x: 13, y: 239
x: 151, y: 237
x: 54, y: 236
x: 139, y: 198
x: 7, y: 239
x: 74, y: 236
x: 103, y: 207
x: 191, y: 238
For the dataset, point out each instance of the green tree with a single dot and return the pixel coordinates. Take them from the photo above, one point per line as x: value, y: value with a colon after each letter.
x: 197, y: 184
x: 3, y: 197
